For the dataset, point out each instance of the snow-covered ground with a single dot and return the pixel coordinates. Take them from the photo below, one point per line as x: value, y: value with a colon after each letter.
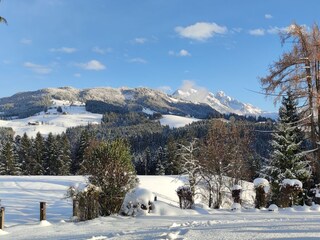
x: 73, y: 114
x: 21, y: 196
x: 53, y: 121
x: 176, y: 121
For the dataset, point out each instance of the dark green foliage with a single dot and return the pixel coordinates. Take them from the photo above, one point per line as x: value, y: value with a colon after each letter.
x: 109, y: 167
x: 287, y: 159
x: 101, y: 107
x: 38, y: 148
x: 25, y: 155
x: 9, y: 160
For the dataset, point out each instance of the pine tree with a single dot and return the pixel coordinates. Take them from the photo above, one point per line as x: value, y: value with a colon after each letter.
x: 38, y: 149
x: 50, y: 158
x: 287, y: 159
x: 9, y: 160
x: 84, y: 142
x: 64, y: 153
x: 25, y: 155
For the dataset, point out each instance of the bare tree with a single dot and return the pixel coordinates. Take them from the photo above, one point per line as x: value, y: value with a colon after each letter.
x: 223, y: 159
x: 298, y: 71
x: 189, y: 162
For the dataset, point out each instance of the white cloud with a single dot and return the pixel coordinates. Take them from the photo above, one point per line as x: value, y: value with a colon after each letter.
x: 94, y: 65
x: 257, y: 32
x: 77, y: 75
x: 137, y: 60
x: 268, y: 16
x: 63, y: 50
x: 201, y: 31
x: 181, y: 53
x: 101, y: 50
x: 140, y: 40
x: 40, y: 69
x: 26, y: 41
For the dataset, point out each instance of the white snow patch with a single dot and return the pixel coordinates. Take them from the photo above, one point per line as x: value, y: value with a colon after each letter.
x: 176, y: 121
x: 148, y: 111
x: 273, y: 208
x: 292, y: 182
x: 45, y: 223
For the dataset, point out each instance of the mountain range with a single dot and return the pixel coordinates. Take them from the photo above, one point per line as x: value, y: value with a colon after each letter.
x: 184, y: 102
x: 220, y: 102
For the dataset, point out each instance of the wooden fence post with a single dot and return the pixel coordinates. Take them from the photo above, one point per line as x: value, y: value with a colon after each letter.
x: 75, y: 208
x: 1, y: 218
x: 43, y: 211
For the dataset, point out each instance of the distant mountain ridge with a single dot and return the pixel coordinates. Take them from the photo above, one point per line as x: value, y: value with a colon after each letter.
x: 188, y: 102
x: 220, y: 102
x: 26, y: 104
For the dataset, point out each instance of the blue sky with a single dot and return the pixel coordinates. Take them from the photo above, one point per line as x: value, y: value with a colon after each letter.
x: 220, y: 45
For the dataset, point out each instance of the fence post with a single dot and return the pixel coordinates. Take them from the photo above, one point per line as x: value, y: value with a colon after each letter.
x: 43, y: 208
x: 75, y: 208
x: 1, y: 218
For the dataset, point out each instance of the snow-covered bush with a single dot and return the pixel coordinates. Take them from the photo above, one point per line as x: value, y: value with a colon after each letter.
x: 185, y: 197
x: 236, y: 193
x: 316, y: 193
x: 273, y: 208
x: 290, y: 192
x: 236, y: 207
x: 139, y: 201
x: 262, y: 187
x: 88, y: 200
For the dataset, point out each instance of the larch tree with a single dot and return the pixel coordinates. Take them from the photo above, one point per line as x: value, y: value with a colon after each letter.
x: 224, y: 157
x: 297, y: 70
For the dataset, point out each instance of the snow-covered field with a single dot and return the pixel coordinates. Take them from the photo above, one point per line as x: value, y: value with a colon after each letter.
x: 53, y: 121
x: 21, y: 196
x: 74, y: 115
x: 176, y: 121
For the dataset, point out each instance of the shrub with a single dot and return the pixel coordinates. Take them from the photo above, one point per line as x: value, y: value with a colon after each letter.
x: 185, y: 197
x: 262, y: 188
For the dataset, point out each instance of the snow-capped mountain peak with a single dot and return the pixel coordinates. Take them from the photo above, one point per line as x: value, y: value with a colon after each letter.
x: 219, y: 101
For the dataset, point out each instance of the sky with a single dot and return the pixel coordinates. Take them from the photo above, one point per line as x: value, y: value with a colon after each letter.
x: 162, y: 44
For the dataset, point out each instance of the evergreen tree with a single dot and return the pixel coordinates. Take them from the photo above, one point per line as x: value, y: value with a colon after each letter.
x: 9, y: 160
x: 83, y: 144
x: 38, y: 149
x: 25, y: 155
x: 64, y: 153
x: 51, y: 156
x: 287, y: 159
x: 110, y: 168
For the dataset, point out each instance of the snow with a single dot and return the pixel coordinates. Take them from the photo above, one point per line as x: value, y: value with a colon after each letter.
x: 148, y: 111
x: 52, y: 121
x: 20, y: 195
x: 220, y: 102
x: 236, y: 187
x: 273, y: 208
x: 292, y: 182
x: 176, y: 121
x: 262, y: 182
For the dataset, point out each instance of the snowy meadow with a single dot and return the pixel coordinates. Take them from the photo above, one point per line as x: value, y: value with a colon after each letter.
x: 20, y: 195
